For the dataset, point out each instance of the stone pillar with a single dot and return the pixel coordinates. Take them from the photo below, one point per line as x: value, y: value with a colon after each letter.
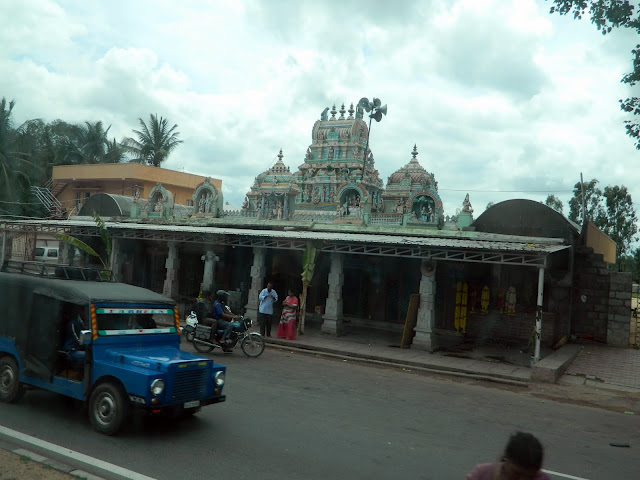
x: 170, y: 288
x: 116, y: 259
x: 425, y: 336
x: 333, y: 321
x: 66, y: 254
x: 208, y: 278
x: 258, y: 273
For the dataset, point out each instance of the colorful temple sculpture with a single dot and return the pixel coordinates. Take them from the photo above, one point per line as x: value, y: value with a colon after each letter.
x: 207, y: 200
x: 413, y: 193
x: 337, y: 184
x: 273, y: 194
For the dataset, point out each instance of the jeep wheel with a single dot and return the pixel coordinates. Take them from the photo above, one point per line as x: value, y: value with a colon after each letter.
x: 10, y: 388
x: 108, y: 408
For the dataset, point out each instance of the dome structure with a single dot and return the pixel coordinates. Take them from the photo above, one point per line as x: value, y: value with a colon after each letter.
x: 414, y: 191
x: 412, y: 174
x: 273, y: 193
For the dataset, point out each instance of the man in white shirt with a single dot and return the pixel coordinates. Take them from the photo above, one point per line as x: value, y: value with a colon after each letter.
x: 268, y: 297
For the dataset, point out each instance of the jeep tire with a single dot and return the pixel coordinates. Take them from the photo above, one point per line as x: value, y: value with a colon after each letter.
x: 108, y: 408
x: 10, y: 388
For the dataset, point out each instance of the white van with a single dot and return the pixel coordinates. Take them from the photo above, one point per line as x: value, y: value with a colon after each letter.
x: 46, y: 254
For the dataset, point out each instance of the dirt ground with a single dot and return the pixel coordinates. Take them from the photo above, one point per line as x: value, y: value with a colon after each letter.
x: 16, y: 467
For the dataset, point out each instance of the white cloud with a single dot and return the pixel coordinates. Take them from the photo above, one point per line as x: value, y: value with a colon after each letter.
x: 502, y: 99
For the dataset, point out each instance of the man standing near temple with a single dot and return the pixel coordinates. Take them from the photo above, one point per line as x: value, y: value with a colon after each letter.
x: 268, y: 297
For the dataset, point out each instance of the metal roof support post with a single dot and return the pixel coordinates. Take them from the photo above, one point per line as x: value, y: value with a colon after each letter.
x: 4, y: 244
x: 536, y: 357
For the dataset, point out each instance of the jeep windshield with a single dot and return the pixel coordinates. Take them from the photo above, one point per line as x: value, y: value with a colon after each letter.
x: 134, y: 320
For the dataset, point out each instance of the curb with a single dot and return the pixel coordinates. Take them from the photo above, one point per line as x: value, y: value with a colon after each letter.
x: 439, y: 370
x: 114, y: 471
x: 47, y: 462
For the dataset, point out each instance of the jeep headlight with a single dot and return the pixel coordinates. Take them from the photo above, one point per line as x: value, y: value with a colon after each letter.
x: 219, y: 379
x: 157, y: 387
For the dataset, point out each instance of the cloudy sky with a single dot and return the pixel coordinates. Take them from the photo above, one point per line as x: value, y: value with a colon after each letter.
x: 502, y: 99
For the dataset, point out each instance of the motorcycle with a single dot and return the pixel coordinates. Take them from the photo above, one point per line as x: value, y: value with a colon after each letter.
x: 251, y: 343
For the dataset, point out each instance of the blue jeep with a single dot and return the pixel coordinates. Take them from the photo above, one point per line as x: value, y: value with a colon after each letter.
x: 128, y: 353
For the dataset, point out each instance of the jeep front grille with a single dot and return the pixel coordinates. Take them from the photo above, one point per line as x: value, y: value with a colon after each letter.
x: 189, y: 385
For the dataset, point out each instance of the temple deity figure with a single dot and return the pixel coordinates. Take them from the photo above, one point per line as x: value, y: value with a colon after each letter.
x: 466, y: 205
x: 330, y: 155
x: 245, y: 204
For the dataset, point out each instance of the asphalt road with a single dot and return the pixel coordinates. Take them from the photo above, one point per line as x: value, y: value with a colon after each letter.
x: 298, y: 416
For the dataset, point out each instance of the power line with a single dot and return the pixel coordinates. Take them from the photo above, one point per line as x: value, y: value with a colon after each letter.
x: 502, y: 191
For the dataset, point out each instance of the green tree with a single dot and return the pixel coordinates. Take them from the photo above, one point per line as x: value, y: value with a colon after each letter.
x: 592, y: 197
x: 612, y: 211
x: 607, y: 15
x: 15, y: 165
x: 621, y: 220
x: 554, y: 202
x: 154, y: 142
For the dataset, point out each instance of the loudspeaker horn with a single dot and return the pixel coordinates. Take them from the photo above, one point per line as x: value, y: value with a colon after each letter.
x: 364, y: 104
x: 383, y: 109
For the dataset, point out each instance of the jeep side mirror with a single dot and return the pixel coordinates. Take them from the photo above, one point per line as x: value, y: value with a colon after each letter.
x: 85, y: 337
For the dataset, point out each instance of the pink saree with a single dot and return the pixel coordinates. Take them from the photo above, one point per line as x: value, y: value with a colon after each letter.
x: 287, y: 326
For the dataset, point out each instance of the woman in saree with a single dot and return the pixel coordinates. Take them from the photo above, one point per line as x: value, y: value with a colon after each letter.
x: 287, y: 326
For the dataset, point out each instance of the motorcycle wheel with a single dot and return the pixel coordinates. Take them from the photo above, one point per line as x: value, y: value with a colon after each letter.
x: 189, y: 336
x: 202, y: 347
x: 252, y: 345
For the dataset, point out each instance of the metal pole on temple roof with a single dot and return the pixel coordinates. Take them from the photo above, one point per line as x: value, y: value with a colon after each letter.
x: 4, y: 243
x: 377, y: 110
x: 536, y: 356
x: 366, y: 149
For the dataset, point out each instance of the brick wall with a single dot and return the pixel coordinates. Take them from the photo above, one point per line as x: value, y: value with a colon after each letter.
x: 619, y: 313
x: 601, y: 300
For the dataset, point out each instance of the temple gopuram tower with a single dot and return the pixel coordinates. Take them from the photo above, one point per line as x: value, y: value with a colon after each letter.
x: 331, y: 180
x: 273, y: 193
x: 414, y: 191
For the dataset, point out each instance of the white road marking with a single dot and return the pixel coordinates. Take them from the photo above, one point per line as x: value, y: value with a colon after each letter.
x: 563, y: 475
x: 81, y: 457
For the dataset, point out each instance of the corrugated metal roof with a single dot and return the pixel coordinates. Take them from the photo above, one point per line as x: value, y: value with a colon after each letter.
x: 481, y: 241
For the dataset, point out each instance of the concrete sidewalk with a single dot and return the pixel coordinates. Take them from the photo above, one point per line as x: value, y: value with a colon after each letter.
x: 573, y: 364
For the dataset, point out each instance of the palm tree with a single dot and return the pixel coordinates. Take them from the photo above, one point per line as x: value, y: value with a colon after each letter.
x: 115, y: 152
x: 154, y: 143
x: 14, y: 159
x: 93, y: 142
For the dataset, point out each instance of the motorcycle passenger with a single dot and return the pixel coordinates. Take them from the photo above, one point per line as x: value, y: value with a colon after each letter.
x: 224, y: 317
x: 202, y: 308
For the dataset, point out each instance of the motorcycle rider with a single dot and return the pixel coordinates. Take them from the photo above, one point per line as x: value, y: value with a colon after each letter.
x: 223, y: 315
x: 202, y: 307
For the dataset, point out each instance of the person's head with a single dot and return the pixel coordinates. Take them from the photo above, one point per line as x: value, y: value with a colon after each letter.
x: 207, y: 295
x: 269, y: 286
x: 291, y: 293
x: 522, y: 457
x: 222, y: 296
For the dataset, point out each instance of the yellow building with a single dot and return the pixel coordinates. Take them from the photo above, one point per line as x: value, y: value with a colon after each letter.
x: 73, y: 184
